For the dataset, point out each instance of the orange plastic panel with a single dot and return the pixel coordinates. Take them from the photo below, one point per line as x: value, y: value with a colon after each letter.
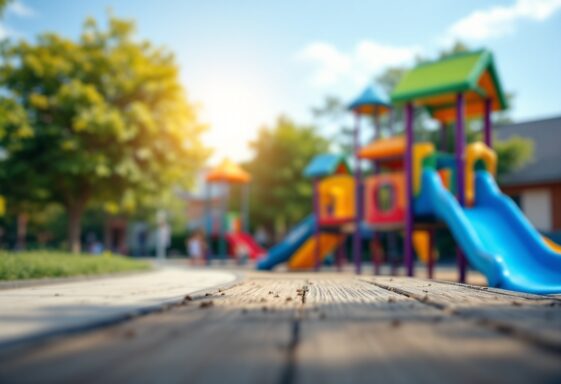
x: 383, y: 149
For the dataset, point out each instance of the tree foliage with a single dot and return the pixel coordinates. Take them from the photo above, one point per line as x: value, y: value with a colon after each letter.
x: 513, y: 154
x: 3, y: 5
x: 101, y: 119
x: 280, y: 195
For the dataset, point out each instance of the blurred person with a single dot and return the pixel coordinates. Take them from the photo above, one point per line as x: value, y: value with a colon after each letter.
x: 91, y: 239
x: 262, y: 237
x: 196, y: 248
x: 163, y: 237
x: 142, y: 239
x: 97, y: 248
x: 242, y: 253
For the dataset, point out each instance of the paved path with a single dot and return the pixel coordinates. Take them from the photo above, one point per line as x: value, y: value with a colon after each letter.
x: 315, y: 328
x: 44, y: 310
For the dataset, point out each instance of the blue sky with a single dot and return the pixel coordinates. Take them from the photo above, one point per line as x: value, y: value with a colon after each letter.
x: 245, y: 62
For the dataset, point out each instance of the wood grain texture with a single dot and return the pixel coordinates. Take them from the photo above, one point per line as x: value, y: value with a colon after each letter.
x: 534, y: 318
x: 303, y: 328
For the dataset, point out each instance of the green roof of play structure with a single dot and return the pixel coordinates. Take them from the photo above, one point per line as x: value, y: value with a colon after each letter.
x: 456, y: 73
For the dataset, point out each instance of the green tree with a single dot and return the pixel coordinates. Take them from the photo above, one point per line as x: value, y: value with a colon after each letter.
x: 513, y: 154
x: 281, y: 195
x: 103, y: 119
x: 334, y: 112
x: 3, y: 5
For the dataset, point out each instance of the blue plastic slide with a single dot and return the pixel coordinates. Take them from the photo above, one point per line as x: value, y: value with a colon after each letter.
x: 281, y: 252
x: 496, y: 237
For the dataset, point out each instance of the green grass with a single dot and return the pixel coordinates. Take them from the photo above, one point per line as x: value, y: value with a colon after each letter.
x: 42, y: 264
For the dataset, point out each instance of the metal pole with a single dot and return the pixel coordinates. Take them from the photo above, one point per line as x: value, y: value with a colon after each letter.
x: 316, y: 207
x: 207, y: 222
x: 357, y: 240
x: 487, y: 127
x: 409, y: 223
x: 223, y: 216
x: 245, y: 207
x: 460, y: 171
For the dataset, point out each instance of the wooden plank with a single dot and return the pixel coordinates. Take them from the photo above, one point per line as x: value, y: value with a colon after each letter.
x: 365, y: 333
x: 532, y: 317
x: 193, y: 343
x: 289, y: 329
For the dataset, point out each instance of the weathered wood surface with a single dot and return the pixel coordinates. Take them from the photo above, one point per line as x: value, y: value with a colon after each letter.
x: 300, y: 328
x: 494, y: 308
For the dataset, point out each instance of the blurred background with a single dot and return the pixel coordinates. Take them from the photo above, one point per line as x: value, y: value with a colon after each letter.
x: 112, y: 111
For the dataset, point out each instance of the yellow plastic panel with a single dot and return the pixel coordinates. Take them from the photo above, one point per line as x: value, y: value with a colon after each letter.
x: 337, y: 197
x: 475, y: 152
x: 304, y: 258
x: 420, y: 152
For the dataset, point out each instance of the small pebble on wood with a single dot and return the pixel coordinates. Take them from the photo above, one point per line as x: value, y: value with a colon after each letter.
x: 206, y: 304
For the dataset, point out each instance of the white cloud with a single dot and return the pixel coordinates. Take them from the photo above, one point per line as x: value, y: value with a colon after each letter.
x: 343, y: 70
x: 333, y: 66
x: 18, y: 8
x: 330, y: 63
x: 374, y: 57
x: 499, y: 21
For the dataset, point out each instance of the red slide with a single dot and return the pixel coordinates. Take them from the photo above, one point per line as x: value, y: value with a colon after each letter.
x: 255, y: 250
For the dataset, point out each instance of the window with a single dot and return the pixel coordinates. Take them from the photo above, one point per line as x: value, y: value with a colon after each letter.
x: 517, y: 200
x: 385, y: 197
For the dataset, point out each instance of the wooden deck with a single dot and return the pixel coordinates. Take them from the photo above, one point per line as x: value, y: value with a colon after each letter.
x: 323, y: 328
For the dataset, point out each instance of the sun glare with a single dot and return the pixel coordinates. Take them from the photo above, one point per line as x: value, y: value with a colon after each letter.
x: 235, y: 106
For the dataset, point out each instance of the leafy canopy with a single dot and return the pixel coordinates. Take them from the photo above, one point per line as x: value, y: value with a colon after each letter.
x: 102, y: 118
x: 280, y: 194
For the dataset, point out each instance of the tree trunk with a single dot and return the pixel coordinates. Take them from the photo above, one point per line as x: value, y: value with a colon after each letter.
x: 75, y: 212
x: 21, y: 231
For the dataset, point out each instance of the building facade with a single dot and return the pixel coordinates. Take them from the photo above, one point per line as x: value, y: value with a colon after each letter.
x: 536, y: 187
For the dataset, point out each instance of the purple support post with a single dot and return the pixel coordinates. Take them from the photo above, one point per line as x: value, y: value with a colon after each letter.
x: 375, y: 250
x: 317, y: 256
x: 460, y: 171
x: 339, y: 255
x: 408, y: 258
x: 391, y: 122
x: 487, y: 128
x: 430, y: 261
x: 376, y: 120
x: 344, y: 257
x: 443, y: 137
x: 392, y: 253
x: 357, y: 238
x: 375, y: 136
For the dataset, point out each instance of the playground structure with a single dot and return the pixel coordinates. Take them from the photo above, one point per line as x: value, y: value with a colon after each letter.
x: 229, y: 228
x: 412, y: 189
